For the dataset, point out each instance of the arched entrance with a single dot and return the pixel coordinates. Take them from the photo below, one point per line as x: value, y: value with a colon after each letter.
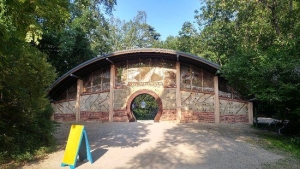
x: 144, y: 107
x: 137, y: 98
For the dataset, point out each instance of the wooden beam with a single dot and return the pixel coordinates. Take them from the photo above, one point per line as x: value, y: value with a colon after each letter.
x: 217, y: 101
x: 78, y: 97
x: 111, y: 93
x: 250, y: 112
x: 178, y: 94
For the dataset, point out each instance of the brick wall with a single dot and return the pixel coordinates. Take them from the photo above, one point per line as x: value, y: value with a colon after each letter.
x: 196, y: 117
x: 64, y: 117
x: 120, y: 116
x: 94, y: 116
x: 234, y: 119
x: 168, y: 115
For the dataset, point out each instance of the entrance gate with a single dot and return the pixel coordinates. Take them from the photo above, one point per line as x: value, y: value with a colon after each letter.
x: 144, y: 107
x: 137, y: 103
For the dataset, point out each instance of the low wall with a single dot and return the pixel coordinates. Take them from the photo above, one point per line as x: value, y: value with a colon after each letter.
x: 233, y: 111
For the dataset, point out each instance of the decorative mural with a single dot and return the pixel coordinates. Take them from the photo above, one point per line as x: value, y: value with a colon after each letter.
x: 155, y: 75
x: 69, y: 93
x: 146, y: 72
x: 94, y: 107
x: 225, y: 91
x: 95, y: 102
x: 230, y: 107
x: 197, y: 107
x: 64, y: 107
x: 232, y: 111
x: 194, y: 78
x: 197, y: 102
x: 97, y: 81
x: 64, y: 110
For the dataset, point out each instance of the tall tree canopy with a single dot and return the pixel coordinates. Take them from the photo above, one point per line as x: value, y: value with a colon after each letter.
x: 63, y: 30
x: 25, y: 74
x: 257, y: 42
x: 84, y: 37
x: 135, y: 33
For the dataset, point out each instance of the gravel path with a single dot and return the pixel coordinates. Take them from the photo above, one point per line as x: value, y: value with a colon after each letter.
x: 165, y: 145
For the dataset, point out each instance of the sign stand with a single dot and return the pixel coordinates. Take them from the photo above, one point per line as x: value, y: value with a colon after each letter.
x: 77, y: 145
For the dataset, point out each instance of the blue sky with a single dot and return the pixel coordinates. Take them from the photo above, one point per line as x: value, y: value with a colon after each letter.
x: 166, y: 16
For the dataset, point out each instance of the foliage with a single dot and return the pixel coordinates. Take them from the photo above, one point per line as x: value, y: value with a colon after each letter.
x: 187, y: 40
x: 25, y: 75
x: 287, y: 144
x: 149, y: 110
x: 83, y: 38
x: 257, y: 42
x: 24, y: 19
x: 66, y: 49
x: 171, y: 42
x: 24, y: 109
x: 135, y: 33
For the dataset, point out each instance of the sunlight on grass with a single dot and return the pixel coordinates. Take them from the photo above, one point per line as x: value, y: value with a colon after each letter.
x: 18, y: 160
x: 281, y: 142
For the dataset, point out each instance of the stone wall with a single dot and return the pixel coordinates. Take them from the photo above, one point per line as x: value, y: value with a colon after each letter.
x: 167, y: 95
x: 94, y: 107
x: 197, y: 107
x: 233, y: 111
x: 64, y: 110
x: 162, y: 78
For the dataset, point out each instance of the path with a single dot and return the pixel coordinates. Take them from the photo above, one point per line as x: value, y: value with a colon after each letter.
x: 166, y: 145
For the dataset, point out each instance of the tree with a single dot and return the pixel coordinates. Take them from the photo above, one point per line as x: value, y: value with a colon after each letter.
x: 144, y: 107
x: 187, y: 40
x: 257, y: 43
x: 135, y: 33
x: 66, y: 49
x: 25, y: 74
x: 187, y: 37
x: 83, y: 38
x: 171, y: 42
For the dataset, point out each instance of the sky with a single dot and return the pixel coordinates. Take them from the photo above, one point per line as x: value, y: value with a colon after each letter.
x: 166, y: 16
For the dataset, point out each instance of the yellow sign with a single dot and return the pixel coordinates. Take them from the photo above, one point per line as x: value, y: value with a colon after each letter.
x: 77, y: 141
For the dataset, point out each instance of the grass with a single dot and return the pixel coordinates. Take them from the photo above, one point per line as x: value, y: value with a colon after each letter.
x: 21, y: 159
x: 288, y: 147
x: 281, y: 142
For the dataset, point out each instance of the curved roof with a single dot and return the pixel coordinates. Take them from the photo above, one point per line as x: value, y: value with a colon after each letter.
x: 101, y: 61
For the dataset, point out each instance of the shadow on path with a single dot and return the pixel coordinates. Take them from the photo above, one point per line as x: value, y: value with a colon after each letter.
x: 203, y: 146
x: 105, y: 135
x: 117, y: 134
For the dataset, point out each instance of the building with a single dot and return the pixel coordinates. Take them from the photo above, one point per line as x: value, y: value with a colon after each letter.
x: 185, y: 87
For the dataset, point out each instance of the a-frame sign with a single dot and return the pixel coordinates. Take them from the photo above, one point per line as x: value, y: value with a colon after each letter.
x: 77, y: 145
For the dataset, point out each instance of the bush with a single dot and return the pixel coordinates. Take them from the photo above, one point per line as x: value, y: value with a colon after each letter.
x: 25, y: 111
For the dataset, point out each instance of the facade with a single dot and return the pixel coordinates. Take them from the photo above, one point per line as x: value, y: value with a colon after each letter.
x: 184, y: 86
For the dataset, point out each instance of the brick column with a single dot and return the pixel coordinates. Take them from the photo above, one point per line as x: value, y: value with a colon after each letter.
x: 250, y: 112
x: 217, y: 102
x: 178, y: 95
x: 78, y: 97
x: 111, y: 93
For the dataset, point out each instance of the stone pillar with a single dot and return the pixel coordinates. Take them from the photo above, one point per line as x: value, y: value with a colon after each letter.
x: 217, y: 102
x: 178, y: 95
x: 111, y: 93
x: 250, y: 112
x: 78, y: 97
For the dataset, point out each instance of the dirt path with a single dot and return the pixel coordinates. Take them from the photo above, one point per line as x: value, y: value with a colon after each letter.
x: 167, y: 145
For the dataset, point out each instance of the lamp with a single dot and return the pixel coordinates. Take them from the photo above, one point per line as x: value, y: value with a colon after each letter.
x: 143, y: 104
